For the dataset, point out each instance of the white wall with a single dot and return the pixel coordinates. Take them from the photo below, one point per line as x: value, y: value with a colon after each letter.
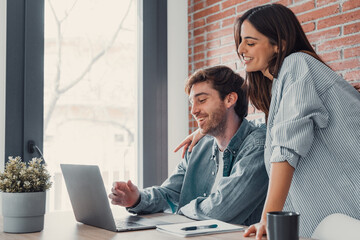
x: 177, y: 74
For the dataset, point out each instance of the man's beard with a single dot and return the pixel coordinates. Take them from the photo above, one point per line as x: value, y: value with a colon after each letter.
x: 217, y: 121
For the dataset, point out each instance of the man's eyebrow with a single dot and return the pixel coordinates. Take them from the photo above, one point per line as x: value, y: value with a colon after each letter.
x: 197, y: 95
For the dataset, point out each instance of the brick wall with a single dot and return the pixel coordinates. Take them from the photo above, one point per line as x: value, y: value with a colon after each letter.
x: 333, y: 27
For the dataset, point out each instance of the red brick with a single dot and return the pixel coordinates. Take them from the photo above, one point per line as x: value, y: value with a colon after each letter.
x: 206, y: 12
x: 213, y: 61
x: 199, y: 56
x: 331, y: 56
x: 352, y: 76
x: 303, y: 7
x: 190, y: 51
x: 198, y: 6
x: 230, y: 3
x: 339, y: 19
x: 199, y: 23
x: 199, y: 65
x: 229, y: 58
x: 352, y: 52
x: 191, y: 59
x: 320, y: 36
x: 284, y: 2
x: 228, y: 21
x: 250, y: 4
x: 213, y: 44
x: 211, y: 2
x: 220, y: 33
x: 345, y: 64
x: 221, y: 51
x: 352, y: 4
x: 199, y: 48
x: 212, y: 27
x: 227, y: 40
x: 320, y: 3
x: 199, y: 31
x: 308, y: 27
x: 339, y: 43
x: 318, y: 13
x: 352, y: 28
x: 190, y: 68
x: 199, y: 39
x: 220, y: 15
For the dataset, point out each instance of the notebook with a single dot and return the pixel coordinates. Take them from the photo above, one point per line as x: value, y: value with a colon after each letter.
x: 199, y: 228
x: 91, y: 205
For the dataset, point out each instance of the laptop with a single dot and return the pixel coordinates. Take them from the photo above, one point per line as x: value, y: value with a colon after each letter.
x: 90, y: 201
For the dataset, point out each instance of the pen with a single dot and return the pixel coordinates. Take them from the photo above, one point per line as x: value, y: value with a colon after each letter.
x: 199, y: 227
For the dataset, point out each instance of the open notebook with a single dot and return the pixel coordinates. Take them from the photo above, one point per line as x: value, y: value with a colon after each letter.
x: 199, y: 228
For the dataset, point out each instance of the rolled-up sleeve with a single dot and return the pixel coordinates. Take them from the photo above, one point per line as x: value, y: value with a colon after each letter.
x: 237, y: 195
x: 300, y: 111
x: 164, y: 197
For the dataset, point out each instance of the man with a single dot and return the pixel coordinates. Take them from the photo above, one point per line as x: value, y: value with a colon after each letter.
x: 224, y: 176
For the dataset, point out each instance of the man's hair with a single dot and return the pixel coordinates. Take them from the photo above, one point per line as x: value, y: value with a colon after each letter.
x: 225, y: 81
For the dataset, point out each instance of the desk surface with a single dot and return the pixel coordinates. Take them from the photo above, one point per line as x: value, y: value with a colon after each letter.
x: 62, y: 225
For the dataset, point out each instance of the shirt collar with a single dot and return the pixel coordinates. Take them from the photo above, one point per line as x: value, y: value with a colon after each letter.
x: 236, y: 140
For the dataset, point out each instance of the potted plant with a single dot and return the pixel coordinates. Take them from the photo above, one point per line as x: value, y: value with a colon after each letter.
x: 23, y: 186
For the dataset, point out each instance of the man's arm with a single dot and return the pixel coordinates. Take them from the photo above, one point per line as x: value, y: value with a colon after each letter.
x: 164, y: 197
x: 238, y: 195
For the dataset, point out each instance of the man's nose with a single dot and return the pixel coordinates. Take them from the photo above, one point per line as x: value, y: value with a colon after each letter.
x: 194, y: 109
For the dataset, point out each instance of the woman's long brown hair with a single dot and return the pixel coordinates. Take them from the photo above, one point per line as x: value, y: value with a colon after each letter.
x: 283, y: 29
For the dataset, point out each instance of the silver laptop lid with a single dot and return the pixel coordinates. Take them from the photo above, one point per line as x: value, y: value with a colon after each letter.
x: 88, y: 195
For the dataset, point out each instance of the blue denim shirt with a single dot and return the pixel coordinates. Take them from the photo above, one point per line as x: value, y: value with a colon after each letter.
x: 240, y: 193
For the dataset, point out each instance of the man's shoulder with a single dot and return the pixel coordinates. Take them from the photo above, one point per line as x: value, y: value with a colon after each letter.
x: 255, y: 135
x: 204, y: 145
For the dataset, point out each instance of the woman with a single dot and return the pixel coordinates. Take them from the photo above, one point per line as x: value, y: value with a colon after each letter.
x: 312, y: 149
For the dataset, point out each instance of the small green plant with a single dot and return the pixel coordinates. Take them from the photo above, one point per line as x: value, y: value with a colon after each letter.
x: 21, y: 177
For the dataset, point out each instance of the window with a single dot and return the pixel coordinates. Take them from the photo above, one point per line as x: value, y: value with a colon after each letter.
x: 26, y: 91
x: 90, y: 90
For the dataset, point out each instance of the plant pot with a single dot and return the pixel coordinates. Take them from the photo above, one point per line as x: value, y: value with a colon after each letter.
x: 23, y: 212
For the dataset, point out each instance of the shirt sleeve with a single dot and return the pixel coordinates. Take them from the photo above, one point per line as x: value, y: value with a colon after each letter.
x: 300, y: 111
x: 238, y: 195
x: 162, y: 198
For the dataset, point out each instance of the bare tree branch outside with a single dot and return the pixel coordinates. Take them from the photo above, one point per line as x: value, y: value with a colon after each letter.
x: 90, y: 92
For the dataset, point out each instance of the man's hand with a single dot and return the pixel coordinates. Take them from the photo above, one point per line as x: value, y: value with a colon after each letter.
x: 125, y: 194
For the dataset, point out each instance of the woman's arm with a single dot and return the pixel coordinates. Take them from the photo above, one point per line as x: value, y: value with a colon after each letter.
x: 189, y: 142
x: 281, y: 174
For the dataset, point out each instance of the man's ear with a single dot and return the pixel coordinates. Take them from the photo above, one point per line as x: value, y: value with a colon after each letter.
x: 230, y: 99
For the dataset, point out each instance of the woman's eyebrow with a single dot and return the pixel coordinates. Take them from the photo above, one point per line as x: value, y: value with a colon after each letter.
x: 253, y: 38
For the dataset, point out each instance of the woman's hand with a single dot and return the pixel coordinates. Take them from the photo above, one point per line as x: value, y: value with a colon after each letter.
x: 259, y: 229
x: 189, y: 142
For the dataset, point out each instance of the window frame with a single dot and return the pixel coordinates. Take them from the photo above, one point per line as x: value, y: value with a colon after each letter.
x: 25, y: 83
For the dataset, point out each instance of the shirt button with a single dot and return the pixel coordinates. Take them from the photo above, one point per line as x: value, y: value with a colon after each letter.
x: 225, y: 167
x: 204, y: 194
x: 213, y: 173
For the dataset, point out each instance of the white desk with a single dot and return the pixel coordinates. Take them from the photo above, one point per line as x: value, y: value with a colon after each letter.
x: 63, y: 226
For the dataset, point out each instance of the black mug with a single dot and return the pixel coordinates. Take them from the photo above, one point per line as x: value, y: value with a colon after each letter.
x: 283, y: 225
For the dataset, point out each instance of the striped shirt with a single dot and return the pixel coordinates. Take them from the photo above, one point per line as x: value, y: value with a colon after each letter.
x: 314, y: 124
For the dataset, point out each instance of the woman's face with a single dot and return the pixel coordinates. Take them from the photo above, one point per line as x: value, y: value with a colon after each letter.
x: 255, y: 50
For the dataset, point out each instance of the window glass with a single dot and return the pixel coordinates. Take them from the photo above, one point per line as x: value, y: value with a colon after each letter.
x: 90, y: 90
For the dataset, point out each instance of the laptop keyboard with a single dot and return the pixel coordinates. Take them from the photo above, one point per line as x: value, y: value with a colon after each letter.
x: 124, y: 224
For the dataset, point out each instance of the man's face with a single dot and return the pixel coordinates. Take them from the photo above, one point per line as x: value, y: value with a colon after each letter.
x: 208, y: 109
